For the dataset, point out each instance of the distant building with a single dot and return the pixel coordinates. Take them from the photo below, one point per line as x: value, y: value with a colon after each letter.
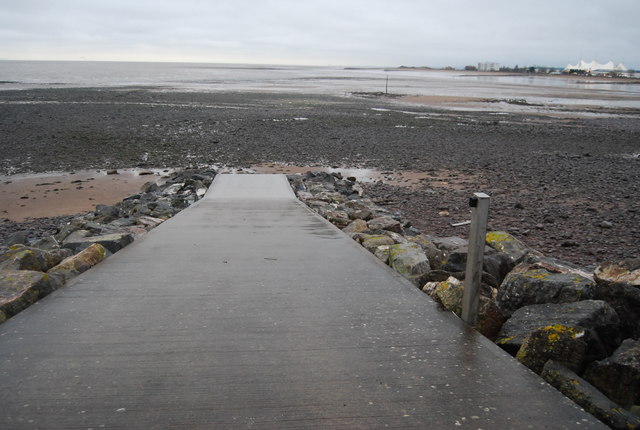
x: 488, y: 67
x: 595, y: 68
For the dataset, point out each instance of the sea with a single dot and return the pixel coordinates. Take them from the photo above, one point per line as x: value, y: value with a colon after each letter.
x: 514, y: 90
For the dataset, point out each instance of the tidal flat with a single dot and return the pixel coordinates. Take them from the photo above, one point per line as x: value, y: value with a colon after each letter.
x: 567, y: 185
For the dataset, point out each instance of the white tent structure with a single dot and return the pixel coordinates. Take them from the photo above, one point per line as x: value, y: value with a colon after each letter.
x: 596, y: 68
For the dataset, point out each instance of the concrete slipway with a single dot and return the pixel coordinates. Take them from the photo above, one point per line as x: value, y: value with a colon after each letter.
x: 247, y: 310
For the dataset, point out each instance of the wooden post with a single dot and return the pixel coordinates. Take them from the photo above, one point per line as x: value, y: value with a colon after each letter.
x: 386, y: 86
x: 473, y: 275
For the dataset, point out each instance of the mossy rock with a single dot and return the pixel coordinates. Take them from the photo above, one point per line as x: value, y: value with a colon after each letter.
x: 503, y: 242
x: 410, y: 261
x: 373, y: 241
x: 538, y: 286
x: 79, y: 263
x: 19, y: 289
x: 558, y: 342
x: 27, y: 258
x: 588, y: 397
x: 596, y: 318
x: 356, y: 226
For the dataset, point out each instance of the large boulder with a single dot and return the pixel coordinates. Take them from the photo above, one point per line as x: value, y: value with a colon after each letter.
x: 356, y: 226
x: 113, y: 242
x: 619, y: 285
x: 19, y: 289
x: 448, y: 244
x: 618, y: 376
x: 337, y: 217
x: 588, y: 397
x: 27, y: 258
x: 385, y: 223
x: 526, y: 286
x: 450, y: 293
x: 410, y: 261
x: 560, y: 343
x: 625, y: 299
x: 503, y: 242
x: 595, y: 318
x: 371, y: 242
x: 79, y: 263
x: 436, y: 256
x: 626, y: 272
x: 106, y: 213
x: 554, y: 265
x: 148, y: 221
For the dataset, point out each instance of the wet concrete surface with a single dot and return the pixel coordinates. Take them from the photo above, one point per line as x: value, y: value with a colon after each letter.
x: 248, y: 310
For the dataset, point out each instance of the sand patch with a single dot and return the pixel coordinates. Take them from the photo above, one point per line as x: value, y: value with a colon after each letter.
x: 54, y: 194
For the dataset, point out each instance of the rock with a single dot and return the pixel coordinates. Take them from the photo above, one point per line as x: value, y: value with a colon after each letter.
x: 555, y: 265
x: 112, y: 172
x: 76, y: 236
x: 148, y: 221
x: 113, y: 242
x: 19, y: 289
x: 173, y: 189
x: 436, y: 256
x: 450, y: 293
x: 382, y: 253
x: 503, y: 242
x: 437, y: 275
x: 304, y: 195
x: 397, y: 238
x: 385, y: 223
x: 625, y: 299
x: 150, y: 187
x: 618, y: 376
x: 356, y: 226
x: 47, y: 243
x: 596, y: 318
x: 372, y: 241
x: 330, y: 197
x: 81, y: 262
x: 588, y: 397
x: 410, y: 261
x: 448, y: 244
x: 27, y: 258
x: 18, y: 238
x: 106, y: 213
x: 65, y: 231
x: 123, y: 222
x: 554, y: 342
x: 525, y: 286
x: 498, y: 265
x: 338, y: 218
x: 162, y: 209
x: 606, y: 224
x: 625, y: 272
x: 490, y: 318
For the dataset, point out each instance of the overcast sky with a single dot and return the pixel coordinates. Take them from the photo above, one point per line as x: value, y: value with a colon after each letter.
x: 324, y: 32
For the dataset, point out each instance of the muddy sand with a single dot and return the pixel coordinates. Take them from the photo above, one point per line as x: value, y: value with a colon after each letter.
x: 568, y: 186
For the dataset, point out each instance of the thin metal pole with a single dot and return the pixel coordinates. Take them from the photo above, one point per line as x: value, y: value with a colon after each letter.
x: 386, y: 86
x: 473, y: 275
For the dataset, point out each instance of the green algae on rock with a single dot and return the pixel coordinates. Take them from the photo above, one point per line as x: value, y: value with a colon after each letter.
x: 19, y: 289
x: 79, y: 263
